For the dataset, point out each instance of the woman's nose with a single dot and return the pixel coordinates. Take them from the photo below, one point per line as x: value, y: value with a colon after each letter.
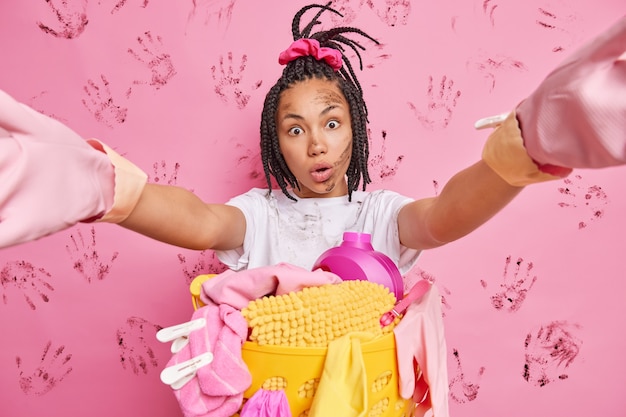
x: 317, y: 145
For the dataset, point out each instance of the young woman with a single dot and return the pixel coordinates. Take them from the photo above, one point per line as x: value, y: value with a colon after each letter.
x: 313, y: 143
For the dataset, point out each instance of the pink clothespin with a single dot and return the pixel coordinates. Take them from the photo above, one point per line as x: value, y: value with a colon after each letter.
x: 415, y: 293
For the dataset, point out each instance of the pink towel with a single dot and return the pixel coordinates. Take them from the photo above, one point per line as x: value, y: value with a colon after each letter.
x: 237, y: 289
x: 217, y: 389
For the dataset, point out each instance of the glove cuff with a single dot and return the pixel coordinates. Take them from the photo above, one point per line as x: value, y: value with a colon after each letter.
x: 505, y: 153
x: 130, y: 181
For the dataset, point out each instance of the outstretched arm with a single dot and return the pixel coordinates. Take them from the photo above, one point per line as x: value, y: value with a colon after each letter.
x: 468, y: 200
x: 177, y: 216
x: 574, y: 119
x: 51, y: 179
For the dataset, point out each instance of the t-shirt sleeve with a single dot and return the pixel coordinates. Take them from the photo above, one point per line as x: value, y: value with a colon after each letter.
x: 384, y: 228
x: 249, y: 203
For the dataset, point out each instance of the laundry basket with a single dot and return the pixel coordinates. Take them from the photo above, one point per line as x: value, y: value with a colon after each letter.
x: 297, y: 370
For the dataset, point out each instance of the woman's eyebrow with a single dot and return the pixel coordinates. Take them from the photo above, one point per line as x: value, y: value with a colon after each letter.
x: 299, y: 117
x: 292, y: 116
x: 328, y: 109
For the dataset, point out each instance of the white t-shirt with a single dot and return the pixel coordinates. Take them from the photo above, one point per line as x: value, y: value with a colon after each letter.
x: 298, y: 232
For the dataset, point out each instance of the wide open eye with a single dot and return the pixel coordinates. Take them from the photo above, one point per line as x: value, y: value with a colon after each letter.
x: 333, y: 124
x: 295, y: 131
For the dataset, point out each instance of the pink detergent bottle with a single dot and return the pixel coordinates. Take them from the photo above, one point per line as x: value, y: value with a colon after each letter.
x: 355, y: 258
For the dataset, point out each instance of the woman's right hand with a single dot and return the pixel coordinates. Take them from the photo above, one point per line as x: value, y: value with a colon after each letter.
x: 50, y: 177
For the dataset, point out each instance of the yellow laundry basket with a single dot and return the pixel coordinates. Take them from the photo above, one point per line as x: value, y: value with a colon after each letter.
x: 297, y: 370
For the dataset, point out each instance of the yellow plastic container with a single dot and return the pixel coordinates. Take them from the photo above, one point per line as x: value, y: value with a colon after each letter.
x: 298, y: 371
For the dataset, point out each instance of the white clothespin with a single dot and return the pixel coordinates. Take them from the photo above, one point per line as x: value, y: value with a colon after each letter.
x: 176, y: 376
x: 179, y: 333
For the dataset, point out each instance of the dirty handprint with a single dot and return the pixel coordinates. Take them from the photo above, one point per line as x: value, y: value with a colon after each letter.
x: 53, y: 367
x: 24, y: 278
x: 440, y: 104
x: 86, y: 258
x: 228, y: 81
x: 71, y: 19
x: 462, y: 389
x: 99, y: 102
x: 549, y: 352
x: 136, y: 353
x: 155, y: 59
x: 513, y: 289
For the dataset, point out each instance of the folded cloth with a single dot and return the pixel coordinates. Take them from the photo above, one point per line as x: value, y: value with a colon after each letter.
x: 420, y: 339
x: 342, y: 390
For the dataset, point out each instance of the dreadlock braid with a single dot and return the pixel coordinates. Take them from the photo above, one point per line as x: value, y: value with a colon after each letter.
x: 304, y: 68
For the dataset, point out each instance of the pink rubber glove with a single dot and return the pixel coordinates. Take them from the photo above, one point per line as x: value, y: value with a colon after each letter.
x: 575, y: 118
x: 51, y: 178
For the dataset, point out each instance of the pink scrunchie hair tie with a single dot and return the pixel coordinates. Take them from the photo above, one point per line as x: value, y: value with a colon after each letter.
x: 311, y: 47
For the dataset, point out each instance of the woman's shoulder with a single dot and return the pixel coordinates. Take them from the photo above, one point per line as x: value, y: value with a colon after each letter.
x: 255, y: 197
x: 379, y: 196
x: 255, y: 193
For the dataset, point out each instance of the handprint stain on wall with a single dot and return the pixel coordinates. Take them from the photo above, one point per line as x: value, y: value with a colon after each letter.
x: 549, y: 352
x: 391, y: 12
x: 375, y: 60
x: 349, y: 10
x: 31, y: 282
x: 228, y: 81
x: 463, y: 390
x: 163, y: 175
x: 86, y: 258
x: 155, y: 59
x: 121, y: 3
x: 513, y: 289
x: 207, y: 10
x: 39, y: 102
x: 379, y: 168
x: 561, y: 21
x: 590, y: 198
x: 71, y: 19
x: 489, y: 9
x: 440, y: 104
x: 249, y: 161
x: 99, y: 102
x: 53, y: 367
x: 489, y: 66
x: 206, y: 263
x: 136, y: 353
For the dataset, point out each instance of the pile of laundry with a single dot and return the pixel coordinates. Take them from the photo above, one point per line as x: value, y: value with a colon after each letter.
x: 285, y: 305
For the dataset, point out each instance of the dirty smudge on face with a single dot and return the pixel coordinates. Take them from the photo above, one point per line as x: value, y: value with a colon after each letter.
x: 329, y: 97
x: 344, y: 160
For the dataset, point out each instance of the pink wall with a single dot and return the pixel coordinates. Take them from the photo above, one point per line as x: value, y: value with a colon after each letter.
x: 177, y: 87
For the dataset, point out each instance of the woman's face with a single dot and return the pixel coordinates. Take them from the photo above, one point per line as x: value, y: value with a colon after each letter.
x: 315, y: 137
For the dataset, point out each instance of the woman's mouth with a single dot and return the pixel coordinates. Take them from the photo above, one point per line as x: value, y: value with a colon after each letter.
x: 321, y: 172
